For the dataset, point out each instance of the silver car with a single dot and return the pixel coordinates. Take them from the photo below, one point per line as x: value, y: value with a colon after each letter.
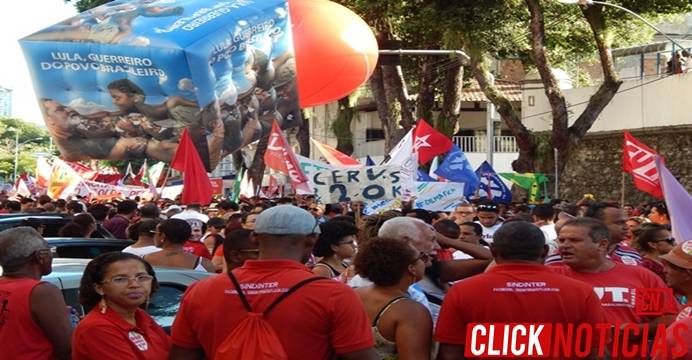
x: 163, y: 306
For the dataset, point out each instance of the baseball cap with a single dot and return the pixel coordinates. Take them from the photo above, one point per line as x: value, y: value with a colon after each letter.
x: 681, y: 255
x: 286, y: 220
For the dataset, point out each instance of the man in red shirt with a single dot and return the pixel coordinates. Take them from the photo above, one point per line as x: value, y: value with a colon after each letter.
x: 501, y: 295
x: 318, y: 321
x: 34, y: 322
x: 583, y: 245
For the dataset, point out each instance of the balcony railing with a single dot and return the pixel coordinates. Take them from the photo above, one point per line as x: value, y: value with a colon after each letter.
x: 478, y: 144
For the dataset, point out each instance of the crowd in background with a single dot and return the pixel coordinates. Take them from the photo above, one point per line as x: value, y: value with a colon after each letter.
x: 419, y: 276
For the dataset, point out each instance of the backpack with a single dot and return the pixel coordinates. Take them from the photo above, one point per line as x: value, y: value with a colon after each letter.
x: 254, y: 338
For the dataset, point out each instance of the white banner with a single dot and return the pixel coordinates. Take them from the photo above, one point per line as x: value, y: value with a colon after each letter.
x: 431, y: 196
x: 357, y: 184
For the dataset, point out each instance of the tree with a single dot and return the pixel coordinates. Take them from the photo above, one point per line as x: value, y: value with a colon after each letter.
x: 32, y: 139
x: 84, y: 5
x: 490, y: 28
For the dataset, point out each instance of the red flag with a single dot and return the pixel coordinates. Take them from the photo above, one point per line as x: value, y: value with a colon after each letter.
x: 429, y: 142
x: 196, y: 184
x: 639, y: 160
x: 280, y: 157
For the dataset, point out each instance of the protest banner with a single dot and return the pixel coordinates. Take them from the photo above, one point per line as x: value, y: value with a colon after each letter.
x: 357, y: 184
x: 431, y: 196
x: 438, y: 196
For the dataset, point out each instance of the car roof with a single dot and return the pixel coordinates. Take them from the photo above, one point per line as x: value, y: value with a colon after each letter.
x: 35, y: 215
x: 67, y: 266
x: 76, y: 240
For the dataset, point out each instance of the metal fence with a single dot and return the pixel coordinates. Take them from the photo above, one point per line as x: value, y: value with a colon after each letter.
x: 478, y: 144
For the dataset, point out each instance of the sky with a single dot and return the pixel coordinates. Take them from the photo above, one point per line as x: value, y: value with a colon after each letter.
x: 19, y: 18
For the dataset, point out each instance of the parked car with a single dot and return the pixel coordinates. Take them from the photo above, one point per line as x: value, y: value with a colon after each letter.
x: 163, y: 306
x: 86, y: 248
x: 52, y: 223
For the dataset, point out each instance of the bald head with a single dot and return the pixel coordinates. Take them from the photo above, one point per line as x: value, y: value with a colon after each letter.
x: 420, y: 234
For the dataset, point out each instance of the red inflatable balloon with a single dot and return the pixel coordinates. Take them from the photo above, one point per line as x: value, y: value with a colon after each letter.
x: 335, y: 50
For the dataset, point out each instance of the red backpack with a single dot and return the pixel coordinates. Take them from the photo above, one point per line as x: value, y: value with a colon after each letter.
x: 254, y: 338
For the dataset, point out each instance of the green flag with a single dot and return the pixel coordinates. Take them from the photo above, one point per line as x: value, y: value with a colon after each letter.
x: 236, y: 186
x: 530, y: 181
x: 155, y: 172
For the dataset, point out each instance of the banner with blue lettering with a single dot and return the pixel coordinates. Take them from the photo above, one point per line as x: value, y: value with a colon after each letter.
x: 122, y: 80
x: 357, y: 184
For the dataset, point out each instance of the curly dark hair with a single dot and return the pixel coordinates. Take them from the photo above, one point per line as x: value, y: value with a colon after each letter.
x: 384, y: 261
x: 332, y: 232
x: 95, y: 271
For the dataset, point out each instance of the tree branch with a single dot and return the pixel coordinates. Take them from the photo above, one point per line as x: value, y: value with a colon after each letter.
x: 611, y: 80
x: 556, y: 98
x: 525, y: 138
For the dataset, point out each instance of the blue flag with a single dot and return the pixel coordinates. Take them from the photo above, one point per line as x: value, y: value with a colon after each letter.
x: 456, y: 168
x: 369, y: 162
x: 491, y: 183
x: 423, y: 176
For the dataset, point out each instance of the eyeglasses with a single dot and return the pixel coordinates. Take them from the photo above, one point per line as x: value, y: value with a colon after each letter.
x: 124, y: 280
x: 424, y: 257
x: 350, y: 242
x: 464, y: 212
x: 670, y: 241
x: 51, y: 250
x: 249, y: 251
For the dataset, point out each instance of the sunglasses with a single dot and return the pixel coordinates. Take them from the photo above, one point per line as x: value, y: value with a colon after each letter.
x: 424, y: 257
x: 670, y: 241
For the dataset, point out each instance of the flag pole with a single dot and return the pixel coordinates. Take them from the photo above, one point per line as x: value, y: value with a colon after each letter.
x: 622, y: 189
x: 165, y: 180
x: 556, y: 172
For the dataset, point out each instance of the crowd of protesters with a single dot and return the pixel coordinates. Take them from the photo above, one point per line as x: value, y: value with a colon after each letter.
x: 401, y: 284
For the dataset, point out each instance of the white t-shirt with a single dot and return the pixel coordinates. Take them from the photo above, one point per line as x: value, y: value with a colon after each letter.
x: 488, y: 232
x: 141, y: 251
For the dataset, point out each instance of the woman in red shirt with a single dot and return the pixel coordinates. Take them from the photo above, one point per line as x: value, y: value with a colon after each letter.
x: 114, y: 287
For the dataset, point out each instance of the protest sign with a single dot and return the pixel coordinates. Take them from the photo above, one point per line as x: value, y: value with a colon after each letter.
x: 431, y: 196
x: 438, y: 196
x: 357, y: 184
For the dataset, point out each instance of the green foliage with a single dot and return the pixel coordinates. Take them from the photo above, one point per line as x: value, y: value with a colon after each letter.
x: 32, y: 139
x: 84, y: 5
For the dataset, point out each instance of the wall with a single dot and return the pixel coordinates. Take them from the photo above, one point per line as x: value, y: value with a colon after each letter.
x: 659, y: 102
x: 595, y: 166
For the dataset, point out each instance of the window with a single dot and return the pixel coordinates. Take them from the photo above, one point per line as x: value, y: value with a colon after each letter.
x: 87, y: 251
x: 163, y: 306
x: 374, y: 134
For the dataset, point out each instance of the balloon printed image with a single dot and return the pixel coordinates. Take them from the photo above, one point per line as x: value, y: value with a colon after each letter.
x: 121, y: 81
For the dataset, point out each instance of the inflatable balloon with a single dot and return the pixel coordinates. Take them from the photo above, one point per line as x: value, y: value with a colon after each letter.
x: 123, y: 80
x: 335, y: 50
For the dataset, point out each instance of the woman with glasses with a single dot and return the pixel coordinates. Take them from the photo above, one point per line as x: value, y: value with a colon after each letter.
x: 401, y: 327
x: 652, y: 241
x: 335, y: 244
x: 113, y: 289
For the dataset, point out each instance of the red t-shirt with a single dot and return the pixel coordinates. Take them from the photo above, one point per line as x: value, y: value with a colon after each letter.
x: 674, y: 342
x: 617, y: 289
x: 315, y: 322
x: 196, y: 248
x: 20, y: 336
x: 500, y: 296
x: 109, y: 337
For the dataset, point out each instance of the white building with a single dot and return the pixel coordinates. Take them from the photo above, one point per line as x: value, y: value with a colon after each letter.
x: 5, y: 102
